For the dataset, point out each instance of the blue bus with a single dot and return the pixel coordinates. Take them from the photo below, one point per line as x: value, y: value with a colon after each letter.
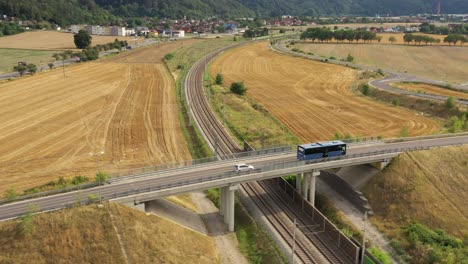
x: 321, y: 150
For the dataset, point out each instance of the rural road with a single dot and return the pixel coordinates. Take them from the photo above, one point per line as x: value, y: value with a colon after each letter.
x: 188, y: 175
x: 383, y: 84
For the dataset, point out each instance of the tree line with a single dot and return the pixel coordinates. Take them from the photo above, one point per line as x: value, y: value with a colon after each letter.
x: 450, y: 39
x: 259, y: 32
x: 7, y: 29
x: 326, y: 34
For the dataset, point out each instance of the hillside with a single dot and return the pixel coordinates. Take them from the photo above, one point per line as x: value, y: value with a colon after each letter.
x: 105, y: 11
x: 427, y: 187
x: 90, y: 235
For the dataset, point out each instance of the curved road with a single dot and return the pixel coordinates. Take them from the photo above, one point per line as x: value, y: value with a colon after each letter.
x: 383, y: 84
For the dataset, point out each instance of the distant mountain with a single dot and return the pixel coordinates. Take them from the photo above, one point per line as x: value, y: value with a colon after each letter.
x: 65, y: 12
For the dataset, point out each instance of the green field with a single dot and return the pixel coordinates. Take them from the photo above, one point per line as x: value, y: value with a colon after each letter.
x: 11, y: 57
x: 435, y: 62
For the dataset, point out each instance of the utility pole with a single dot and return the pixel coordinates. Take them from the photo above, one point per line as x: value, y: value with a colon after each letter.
x: 224, y: 110
x: 363, y: 253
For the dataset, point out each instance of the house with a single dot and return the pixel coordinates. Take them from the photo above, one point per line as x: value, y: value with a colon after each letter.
x: 117, y: 31
x: 142, y: 30
x: 173, y: 33
x: 75, y: 28
x: 130, y: 32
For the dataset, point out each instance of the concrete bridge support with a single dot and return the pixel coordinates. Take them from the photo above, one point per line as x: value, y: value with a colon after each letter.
x: 227, y: 205
x: 299, y: 177
x: 313, y: 178
x: 308, y: 188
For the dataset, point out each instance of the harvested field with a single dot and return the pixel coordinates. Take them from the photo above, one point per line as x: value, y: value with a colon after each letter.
x: 435, y: 62
x: 52, y: 40
x: 429, y: 186
x: 91, y: 235
x: 11, y: 57
x: 105, y: 115
x: 314, y: 99
x: 430, y: 89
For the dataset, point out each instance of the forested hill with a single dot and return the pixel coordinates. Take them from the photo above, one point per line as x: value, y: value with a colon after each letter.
x: 66, y: 12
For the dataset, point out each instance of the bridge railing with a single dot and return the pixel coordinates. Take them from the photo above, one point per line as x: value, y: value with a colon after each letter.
x: 265, y: 168
x: 141, y: 172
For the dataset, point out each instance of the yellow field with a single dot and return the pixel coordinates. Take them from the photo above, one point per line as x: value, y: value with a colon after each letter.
x: 91, y: 235
x: 314, y: 99
x: 428, y: 186
x: 435, y: 62
x: 430, y: 89
x: 106, y: 115
x: 52, y: 40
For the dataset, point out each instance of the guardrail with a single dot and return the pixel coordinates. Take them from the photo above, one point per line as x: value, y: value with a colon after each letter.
x: 263, y: 169
x: 141, y: 172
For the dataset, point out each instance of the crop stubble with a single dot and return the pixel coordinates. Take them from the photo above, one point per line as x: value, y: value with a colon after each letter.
x: 106, y: 115
x: 314, y: 99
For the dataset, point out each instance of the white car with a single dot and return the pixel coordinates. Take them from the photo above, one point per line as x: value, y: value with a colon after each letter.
x: 243, y: 167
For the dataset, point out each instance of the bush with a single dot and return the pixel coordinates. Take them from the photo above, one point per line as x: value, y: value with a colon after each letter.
x: 380, y: 255
x: 365, y: 89
x: 396, y: 102
x: 180, y: 67
x: 450, y: 103
x: 77, y: 180
x: 332, y: 58
x: 11, y: 194
x: 101, y: 177
x: 219, y: 80
x: 169, y: 56
x: 238, y: 88
x: 350, y: 58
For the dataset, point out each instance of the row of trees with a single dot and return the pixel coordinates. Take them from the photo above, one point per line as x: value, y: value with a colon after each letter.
x: 450, y: 39
x: 259, y: 32
x: 326, y: 34
x: 22, y: 69
x: 417, y: 39
x: 433, y: 29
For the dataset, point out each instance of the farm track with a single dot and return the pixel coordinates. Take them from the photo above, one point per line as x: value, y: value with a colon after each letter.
x: 223, y: 144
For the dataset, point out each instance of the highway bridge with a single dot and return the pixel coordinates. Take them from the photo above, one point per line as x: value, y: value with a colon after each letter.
x: 145, y: 187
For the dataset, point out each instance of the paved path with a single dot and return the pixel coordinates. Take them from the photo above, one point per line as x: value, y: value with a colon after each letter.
x: 383, y: 84
x: 226, y: 242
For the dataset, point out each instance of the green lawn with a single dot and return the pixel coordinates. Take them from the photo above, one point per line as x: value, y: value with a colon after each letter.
x: 11, y: 57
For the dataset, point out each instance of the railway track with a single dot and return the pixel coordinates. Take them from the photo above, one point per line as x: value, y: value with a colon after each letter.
x: 308, y: 247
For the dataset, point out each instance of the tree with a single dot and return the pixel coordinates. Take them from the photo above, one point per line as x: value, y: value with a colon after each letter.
x: 450, y: 103
x: 365, y: 89
x: 32, y: 68
x: 82, y: 39
x: 350, y: 58
x: 392, y: 39
x: 101, y: 177
x: 219, y: 79
x: 51, y: 65
x: 238, y: 88
x: 21, y: 69
x: 56, y: 56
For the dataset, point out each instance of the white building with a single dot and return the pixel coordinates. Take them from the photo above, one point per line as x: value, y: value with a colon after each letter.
x: 75, y: 28
x: 173, y: 33
x: 129, y: 32
x: 118, y: 31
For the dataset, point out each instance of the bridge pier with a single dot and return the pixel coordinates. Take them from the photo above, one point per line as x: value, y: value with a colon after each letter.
x: 313, y: 178
x: 308, y: 188
x: 227, y: 205
x: 299, y: 177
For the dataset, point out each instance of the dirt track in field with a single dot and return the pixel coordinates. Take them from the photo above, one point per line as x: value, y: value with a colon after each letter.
x: 314, y: 99
x: 105, y: 115
x: 430, y: 89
